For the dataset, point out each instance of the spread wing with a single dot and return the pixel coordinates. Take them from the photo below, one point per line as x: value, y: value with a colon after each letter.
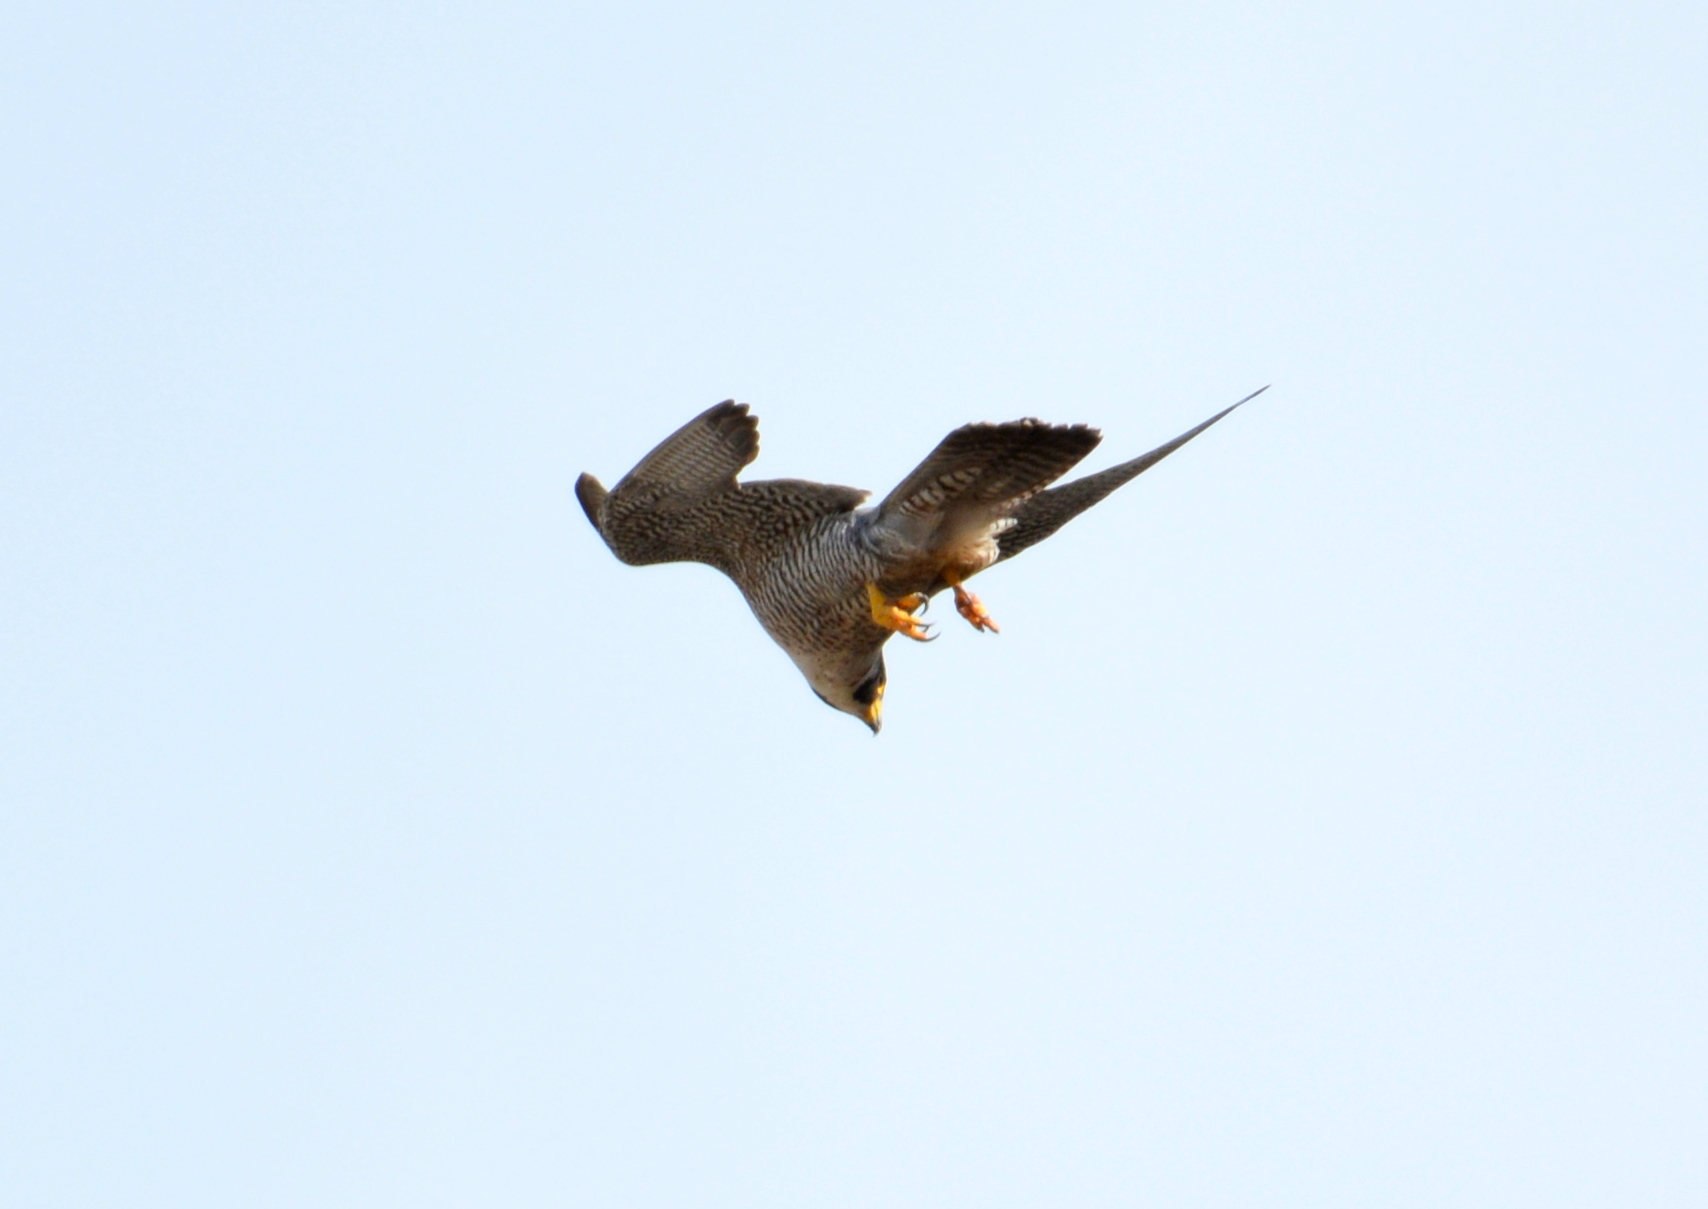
x: 982, y: 471
x: 1044, y: 513
x: 682, y: 502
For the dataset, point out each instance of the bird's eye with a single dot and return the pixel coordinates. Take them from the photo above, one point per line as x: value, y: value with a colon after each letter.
x: 867, y: 692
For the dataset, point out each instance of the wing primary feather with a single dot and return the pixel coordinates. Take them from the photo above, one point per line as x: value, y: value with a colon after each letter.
x: 983, y: 468
x: 591, y: 492
x: 1048, y: 511
x: 682, y: 502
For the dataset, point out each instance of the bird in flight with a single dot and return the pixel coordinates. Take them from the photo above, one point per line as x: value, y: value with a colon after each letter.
x: 829, y: 580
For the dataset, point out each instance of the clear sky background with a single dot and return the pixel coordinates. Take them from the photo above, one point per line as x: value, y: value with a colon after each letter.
x: 1326, y: 827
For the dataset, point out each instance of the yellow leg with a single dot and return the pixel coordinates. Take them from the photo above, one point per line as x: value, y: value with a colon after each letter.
x: 898, y: 615
x: 969, y: 606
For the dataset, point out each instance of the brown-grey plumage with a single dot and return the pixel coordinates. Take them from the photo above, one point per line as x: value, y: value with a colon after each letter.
x: 829, y: 581
x: 1040, y: 516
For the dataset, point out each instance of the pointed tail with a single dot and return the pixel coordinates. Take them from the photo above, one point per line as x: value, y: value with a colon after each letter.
x: 1048, y: 511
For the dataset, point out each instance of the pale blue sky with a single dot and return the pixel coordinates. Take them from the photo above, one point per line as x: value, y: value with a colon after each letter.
x: 1326, y: 827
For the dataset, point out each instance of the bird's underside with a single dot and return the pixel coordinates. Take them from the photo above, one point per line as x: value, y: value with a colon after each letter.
x: 831, y: 581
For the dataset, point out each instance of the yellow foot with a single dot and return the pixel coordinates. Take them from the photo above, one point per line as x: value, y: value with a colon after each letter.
x: 898, y: 615
x: 970, y: 607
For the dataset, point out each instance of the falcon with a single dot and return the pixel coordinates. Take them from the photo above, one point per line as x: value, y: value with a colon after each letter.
x: 831, y: 581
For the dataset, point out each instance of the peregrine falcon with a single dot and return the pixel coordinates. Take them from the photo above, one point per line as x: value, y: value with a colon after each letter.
x: 831, y: 581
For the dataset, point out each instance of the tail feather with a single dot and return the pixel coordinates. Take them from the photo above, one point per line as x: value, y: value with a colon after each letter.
x: 1049, y: 510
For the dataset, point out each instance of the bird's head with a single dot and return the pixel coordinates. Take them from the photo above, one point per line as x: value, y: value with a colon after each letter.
x: 858, y: 690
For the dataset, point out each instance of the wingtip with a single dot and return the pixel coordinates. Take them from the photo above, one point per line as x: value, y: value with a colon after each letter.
x: 1229, y: 410
x: 736, y: 424
x: 728, y: 416
x: 591, y: 493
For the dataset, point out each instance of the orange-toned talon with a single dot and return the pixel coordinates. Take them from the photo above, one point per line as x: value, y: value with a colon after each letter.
x: 970, y: 607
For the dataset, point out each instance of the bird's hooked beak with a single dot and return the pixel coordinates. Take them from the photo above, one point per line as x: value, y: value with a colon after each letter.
x: 874, y: 715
